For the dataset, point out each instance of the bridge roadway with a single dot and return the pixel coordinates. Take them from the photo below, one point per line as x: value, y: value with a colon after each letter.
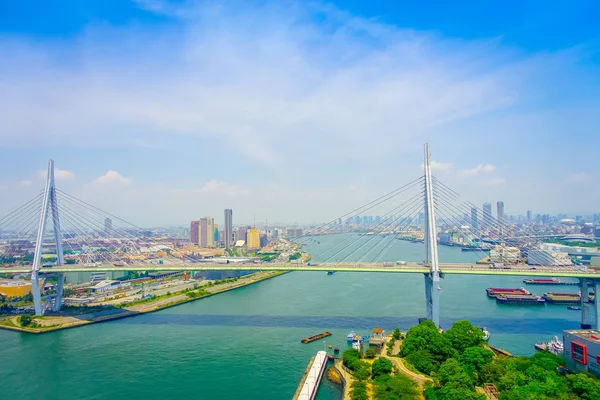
x: 464, y: 269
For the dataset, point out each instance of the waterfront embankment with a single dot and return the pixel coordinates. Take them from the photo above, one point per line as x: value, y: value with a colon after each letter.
x: 85, y: 316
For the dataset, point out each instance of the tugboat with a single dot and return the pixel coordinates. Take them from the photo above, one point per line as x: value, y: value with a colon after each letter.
x: 350, y: 336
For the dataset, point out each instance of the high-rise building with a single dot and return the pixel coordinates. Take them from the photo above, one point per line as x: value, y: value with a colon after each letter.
x: 107, y: 226
x: 263, y: 240
x: 241, y: 233
x: 276, y: 233
x: 207, y: 232
x: 474, y: 220
x: 216, y: 234
x: 487, y: 214
x: 529, y: 215
x: 500, y: 211
x: 195, y: 232
x: 253, y: 239
x: 228, y: 228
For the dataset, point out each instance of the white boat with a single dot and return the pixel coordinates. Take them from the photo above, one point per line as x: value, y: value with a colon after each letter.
x: 356, y: 345
x: 554, y: 346
x: 350, y: 336
x: 486, y: 334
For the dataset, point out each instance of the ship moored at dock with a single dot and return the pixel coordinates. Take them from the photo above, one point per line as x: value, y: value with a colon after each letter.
x: 552, y: 281
x: 528, y: 299
x: 495, y: 292
x: 562, y: 298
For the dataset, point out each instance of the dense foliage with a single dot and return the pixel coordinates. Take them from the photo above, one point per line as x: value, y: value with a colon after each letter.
x: 352, y: 361
x: 359, y: 391
x: 396, y: 387
x: 458, y: 362
x: 381, y: 366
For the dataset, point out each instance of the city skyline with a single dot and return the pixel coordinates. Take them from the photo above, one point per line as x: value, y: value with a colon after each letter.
x: 322, y: 109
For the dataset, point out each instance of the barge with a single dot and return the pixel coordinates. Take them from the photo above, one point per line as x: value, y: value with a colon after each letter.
x: 316, y: 337
x: 528, y: 299
x: 495, y: 292
x: 552, y: 281
x: 562, y: 298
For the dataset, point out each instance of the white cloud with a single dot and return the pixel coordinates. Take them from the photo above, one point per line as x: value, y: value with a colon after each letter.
x: 59, y: 174
x: 440, y: 166
x: 479, y: 169
x: 112, y: 177
x: 24, y: 184
x: 579, y: 177
x: 219, y: 187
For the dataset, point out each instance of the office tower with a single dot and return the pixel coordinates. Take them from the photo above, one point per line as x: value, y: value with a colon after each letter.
x: 357, y: 220
x: 195, y: 232
x: 500, y: 211
x: 487, y: 214
x: 276, y: 232
x: 216, y: 234
x: 253, y: 239
x: 263, y: 240
x: 474, y: 221
x: 242, y: 234
x: 107, y: 226
x: 228, y: 228
x: 529, y: 215
x: 207, y: 232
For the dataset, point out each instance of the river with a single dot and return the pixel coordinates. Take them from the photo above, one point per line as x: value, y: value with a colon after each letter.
x: 245, y: 344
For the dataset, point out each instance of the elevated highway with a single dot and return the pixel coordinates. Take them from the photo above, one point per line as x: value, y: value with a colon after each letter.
x: 408, y: 268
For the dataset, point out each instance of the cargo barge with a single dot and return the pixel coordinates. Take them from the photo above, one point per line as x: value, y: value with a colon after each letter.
x: 316, y: 337
x: 562, y: 298
x: 495, y: 292
x: 529, y: 299
x: 552, y: 281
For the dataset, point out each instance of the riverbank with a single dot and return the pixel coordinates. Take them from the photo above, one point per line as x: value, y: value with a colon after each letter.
x: 50, y: 323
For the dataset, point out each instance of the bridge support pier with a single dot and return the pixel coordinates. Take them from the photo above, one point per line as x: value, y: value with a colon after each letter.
x: 432, y: 297
x: 590, y: 312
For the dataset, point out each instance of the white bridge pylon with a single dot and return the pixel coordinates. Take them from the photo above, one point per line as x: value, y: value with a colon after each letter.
x: 49, y: 210
x: 432, y: 279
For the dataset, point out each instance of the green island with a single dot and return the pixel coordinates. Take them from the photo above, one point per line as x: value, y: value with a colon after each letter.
x: 427, y: 363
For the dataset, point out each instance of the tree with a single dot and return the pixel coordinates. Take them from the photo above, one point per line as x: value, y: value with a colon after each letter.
x: 370, y: 353
x: 423, y: 361
x: 359, y: 391
x: 473, y: 359
x: 25, y: 320
x: 381, y: 366
x: 463, y: 335
x: 452, y: 373
x: 396, y: 334
x: 584, y: 386
x: 418, y: 338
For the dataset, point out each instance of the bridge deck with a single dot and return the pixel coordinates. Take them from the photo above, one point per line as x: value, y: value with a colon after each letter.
x: 460, y: 269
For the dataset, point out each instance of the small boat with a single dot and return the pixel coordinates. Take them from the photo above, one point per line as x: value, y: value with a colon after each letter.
x: 336, y: 350
x: 330, y: 346
x: 573, y: 308
x: 356, y: 345
x: 350, y: 336
x: 486, y: 334
x: 554, y: 346
x: 330, y: 272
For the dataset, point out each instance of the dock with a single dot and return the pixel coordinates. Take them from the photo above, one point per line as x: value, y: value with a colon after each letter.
x: 309, y: 384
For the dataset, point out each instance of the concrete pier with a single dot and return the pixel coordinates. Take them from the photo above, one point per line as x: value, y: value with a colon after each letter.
x: 307, y: 390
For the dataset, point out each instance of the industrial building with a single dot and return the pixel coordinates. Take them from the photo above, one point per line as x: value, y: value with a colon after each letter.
x: 582, y: 351
x: 15, y: 287
x: 548, y: 257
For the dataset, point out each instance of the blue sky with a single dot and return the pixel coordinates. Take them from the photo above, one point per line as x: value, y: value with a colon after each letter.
x: 164, y: 111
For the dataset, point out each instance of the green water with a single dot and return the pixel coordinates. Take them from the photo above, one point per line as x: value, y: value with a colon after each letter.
x: 245, y: 344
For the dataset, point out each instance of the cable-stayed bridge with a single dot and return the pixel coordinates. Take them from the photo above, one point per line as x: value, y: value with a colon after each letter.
x: 55, y: 233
